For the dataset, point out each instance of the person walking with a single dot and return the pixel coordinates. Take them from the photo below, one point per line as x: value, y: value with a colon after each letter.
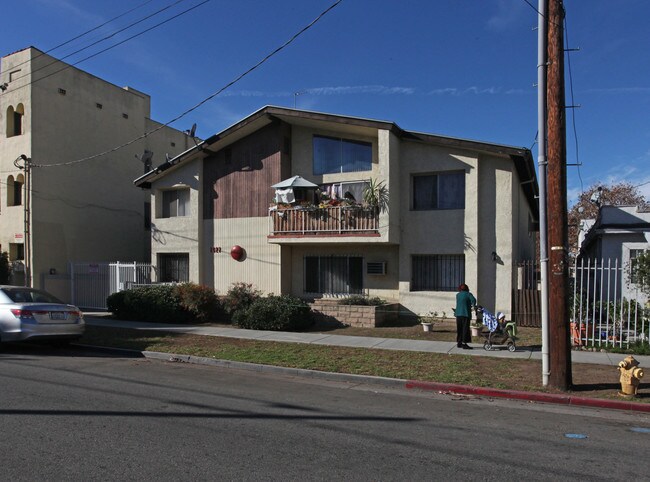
x: 465, y: 301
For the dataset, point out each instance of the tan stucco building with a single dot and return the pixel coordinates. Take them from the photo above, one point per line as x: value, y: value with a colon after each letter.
x: 458, y: 211
x: 80, y: 206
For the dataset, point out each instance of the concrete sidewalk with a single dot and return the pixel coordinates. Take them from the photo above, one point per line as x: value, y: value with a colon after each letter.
x: 522, y: 353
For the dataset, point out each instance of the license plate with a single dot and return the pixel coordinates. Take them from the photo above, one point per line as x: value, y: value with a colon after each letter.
x: 57, y: 315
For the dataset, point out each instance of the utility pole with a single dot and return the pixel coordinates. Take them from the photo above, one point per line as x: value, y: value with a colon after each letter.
x: 560, y: 359
x: 542, y: 52
x: 26, y: 200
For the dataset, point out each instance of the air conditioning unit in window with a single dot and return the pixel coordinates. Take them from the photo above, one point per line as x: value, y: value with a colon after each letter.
x: 376, y: 268
x: 18, y: 266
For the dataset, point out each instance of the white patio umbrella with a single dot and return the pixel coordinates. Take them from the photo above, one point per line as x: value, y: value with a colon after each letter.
x: 295, y: 181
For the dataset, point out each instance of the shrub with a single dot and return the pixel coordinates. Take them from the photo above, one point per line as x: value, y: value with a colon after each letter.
x: 239, y: 297
x: 201, y: 302
x: 277, y: 313
x: 5, y: 269
x: 362, y: 301
x: 157, y: 303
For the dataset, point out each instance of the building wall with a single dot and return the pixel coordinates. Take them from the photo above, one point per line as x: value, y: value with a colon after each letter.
x: 436, y: 232
x: 384, y: 286
x: 179, y: 234
x: 261, y: 264
x: 90, y: 210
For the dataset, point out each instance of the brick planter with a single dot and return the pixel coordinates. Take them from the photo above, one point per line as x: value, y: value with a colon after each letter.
x: 356, y: 315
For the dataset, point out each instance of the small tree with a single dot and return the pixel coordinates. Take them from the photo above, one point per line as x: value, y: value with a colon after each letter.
x: 5, y: 268
x: 618, y: 194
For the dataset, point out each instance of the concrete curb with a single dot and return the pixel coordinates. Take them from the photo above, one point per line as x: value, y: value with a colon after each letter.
x: 530, y: 396
x: 390, y: 382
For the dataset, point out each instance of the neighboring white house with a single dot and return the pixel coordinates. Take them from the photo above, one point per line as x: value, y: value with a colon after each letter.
x: 458, y: 211
x: 614, y: 239
x: 54, y: 115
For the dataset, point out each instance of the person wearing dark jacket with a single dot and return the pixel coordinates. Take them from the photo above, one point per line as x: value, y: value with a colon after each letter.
x: 465, y: 301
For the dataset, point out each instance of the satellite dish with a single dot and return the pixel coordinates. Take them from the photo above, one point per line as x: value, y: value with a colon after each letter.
x: 193, y: 130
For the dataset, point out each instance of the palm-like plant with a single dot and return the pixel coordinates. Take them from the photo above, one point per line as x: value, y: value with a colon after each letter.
x: 375, y: 195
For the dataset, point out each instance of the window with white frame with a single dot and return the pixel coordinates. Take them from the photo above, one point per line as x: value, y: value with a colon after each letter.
x: 439, y: 191
x: 335, y: 155
x: 436, y: 272
x: 333, y: 275
x: 350, y: 190
x: 175, y: 203
x: 634, y: 253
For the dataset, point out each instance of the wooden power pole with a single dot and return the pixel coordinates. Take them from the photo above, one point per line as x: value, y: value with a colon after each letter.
x: 560, y: 354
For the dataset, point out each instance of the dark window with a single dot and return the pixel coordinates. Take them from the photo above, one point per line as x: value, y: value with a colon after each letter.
x: 62, y: 91
x: 431, y: 272
x: 334, y: 274
x: 174, y: 267
x: 99, y: 106
x: 439, y: 191
x: 16, y: 251
x: 147, y: 216
x: 334, y: 155
x: 175, y: 203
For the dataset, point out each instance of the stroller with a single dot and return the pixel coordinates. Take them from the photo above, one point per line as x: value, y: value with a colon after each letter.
x: 498, y: 333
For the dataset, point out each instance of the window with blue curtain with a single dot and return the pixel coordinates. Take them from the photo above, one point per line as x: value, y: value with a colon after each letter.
x: 335, y: 155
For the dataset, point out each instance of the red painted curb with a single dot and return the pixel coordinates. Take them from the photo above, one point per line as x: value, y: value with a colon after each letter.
x: 531, y: 396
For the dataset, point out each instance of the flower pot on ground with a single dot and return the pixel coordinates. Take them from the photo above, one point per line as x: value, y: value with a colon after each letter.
x: 426, y: 326
x: 476, y: 330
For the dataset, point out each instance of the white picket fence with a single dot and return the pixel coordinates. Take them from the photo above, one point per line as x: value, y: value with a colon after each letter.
x: 92, y: 283
x: 607, y: 309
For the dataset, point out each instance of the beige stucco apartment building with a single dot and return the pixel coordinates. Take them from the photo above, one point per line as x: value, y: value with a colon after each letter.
x: 79, y: 206
x: 458, y: 211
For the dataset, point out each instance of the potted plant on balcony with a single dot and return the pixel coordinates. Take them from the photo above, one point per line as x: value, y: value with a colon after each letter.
x: 375, y: 195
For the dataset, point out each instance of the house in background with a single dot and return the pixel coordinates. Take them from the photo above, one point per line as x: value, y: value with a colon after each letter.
x: 612, y: 241
x: 457, y: 211
x: 53, y: 115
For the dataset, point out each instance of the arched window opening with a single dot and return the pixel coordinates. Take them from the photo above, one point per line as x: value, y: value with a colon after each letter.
x: 15, y: 190
x: 15, y: 120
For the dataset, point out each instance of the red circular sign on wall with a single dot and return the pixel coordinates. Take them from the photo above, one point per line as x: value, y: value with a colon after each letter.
x: 237, y: 252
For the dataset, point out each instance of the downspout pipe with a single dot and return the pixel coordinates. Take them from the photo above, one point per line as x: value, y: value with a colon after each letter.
x: 542, y: 61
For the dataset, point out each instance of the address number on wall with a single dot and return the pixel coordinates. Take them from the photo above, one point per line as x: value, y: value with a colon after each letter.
x: 215, y: 249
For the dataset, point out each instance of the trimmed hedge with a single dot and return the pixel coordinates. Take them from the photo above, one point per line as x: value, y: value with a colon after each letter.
x: 182, y: 303
x: 276, y: 313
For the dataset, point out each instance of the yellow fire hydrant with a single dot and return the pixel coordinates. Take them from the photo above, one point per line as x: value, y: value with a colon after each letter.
x: 631, y: 376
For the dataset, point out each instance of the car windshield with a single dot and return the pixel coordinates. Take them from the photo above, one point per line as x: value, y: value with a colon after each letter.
x: 27, y: 295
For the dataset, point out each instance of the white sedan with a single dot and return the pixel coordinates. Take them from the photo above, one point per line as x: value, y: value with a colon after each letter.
x: 31, y: 314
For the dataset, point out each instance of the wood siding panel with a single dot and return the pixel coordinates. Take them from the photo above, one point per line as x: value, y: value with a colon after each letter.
x: 238, y: 178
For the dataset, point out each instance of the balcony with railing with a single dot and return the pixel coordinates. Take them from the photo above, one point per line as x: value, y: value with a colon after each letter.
x: 348, y: 220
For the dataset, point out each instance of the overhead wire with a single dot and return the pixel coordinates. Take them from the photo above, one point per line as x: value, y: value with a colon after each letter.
x: 67, y: 66
x: 210, y: 97
x: 52, y: 49
x: 573, y: 113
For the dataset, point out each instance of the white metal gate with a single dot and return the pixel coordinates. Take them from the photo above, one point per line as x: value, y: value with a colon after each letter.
x: 607, y: 309
x: 92, y: 283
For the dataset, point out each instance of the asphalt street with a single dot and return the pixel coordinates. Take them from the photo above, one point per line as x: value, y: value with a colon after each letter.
x: 72, y: 414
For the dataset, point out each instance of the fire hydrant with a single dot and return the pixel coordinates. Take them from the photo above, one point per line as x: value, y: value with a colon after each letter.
x: 631, y: 376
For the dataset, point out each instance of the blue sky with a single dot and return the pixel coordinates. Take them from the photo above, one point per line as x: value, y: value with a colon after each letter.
x: 462, y: 68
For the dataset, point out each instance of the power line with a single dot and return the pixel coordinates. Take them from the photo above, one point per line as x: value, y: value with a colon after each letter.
x: 210, y: 97
x: 573, y: 114
x: 67, y: 66
x: 96, y: 42
x: 85, y: 33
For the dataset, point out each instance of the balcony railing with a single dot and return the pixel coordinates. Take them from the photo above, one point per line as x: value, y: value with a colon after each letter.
x: 325, y: 221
